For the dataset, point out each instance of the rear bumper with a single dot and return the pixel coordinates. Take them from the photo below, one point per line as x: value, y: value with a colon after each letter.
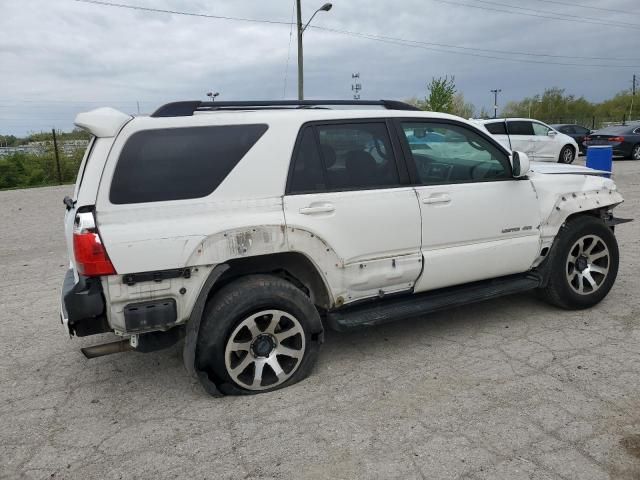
x: 82, y: 306
x: 619, y: 149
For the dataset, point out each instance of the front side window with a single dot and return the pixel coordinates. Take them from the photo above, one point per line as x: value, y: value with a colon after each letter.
x: 447, y: 153
x: 519, y: 127
x: 540, y: 130
x: 179, y: 163
x: 349, y: 156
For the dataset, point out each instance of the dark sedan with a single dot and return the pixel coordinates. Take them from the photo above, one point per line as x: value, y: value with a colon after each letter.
x: 625, y: 140
x: 577, y: 132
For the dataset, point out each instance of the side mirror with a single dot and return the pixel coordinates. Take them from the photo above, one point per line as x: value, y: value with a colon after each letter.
x: 552, y: 133
x: 519, y: 164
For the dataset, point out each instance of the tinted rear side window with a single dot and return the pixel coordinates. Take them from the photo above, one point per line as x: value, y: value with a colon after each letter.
x: 179, y: 163
x: 520, y: 128
x: 496, y: 128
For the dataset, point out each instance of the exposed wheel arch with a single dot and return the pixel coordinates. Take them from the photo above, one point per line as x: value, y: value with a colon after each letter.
x: 294, y: 267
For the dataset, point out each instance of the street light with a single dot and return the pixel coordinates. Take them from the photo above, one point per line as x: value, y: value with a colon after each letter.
x: 301, y: 29
x: 213, y: 95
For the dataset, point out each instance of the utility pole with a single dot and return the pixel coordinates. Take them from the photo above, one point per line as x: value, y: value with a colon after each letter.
x: 495, y: 101
x: 55, y: 148
x: 633, y: 96
x: 301, y: 29
x: 300, y: 59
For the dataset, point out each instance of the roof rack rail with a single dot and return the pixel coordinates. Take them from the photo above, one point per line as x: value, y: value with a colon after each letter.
x: 188, y: 108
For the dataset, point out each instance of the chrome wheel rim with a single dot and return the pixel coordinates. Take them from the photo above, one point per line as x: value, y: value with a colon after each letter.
x: 567, y: 155
x: 265, y: 350
x: 636, y: 152
x: 587, y: 264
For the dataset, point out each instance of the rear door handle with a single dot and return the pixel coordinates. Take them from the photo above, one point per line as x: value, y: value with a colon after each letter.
x: 319, y: 208
x: 440, y: 198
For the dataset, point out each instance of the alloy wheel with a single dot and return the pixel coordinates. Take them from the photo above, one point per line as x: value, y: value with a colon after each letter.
x: 587, y: 264
x: 265, y: 350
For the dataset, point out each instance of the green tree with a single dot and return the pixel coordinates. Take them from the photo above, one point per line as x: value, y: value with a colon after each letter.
x: 461, y: 107
x: 443, y: 97
x: 442, y: 91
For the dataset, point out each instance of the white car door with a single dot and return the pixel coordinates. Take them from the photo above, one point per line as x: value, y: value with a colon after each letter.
x: 548, y: 145
x: 477, y: 221
x: 352, y: 210
x: 523, y: 138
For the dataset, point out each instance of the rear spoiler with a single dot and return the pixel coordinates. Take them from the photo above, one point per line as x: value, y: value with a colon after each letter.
x: 102, y: 122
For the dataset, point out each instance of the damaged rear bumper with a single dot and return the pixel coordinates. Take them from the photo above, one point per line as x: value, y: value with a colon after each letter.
x: 82, y: 306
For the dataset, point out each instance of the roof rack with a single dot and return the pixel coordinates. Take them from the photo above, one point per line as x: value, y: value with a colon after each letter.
x: 188, y: 108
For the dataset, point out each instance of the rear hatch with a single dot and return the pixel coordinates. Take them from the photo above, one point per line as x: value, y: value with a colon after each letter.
x: 104, y: 124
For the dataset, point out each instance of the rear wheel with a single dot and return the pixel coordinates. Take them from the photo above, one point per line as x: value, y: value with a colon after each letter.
x: 258, y: 333
x: 567, y: 154
x: 635, y: 152
x: 584, y: 264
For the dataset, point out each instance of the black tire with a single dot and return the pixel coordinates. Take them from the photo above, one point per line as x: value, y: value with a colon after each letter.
x: 567, y: 155
x: 560, y: 290
x: 231, y: 306
x: 635, y: 152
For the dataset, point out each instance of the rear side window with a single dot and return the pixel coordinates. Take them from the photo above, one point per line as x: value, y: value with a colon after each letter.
x: 520, y: 128
x: 179, y: 163
x: 338, y: 157
x: 496, y: 128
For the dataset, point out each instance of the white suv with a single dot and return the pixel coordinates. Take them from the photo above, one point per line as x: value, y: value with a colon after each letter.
x: 538, y: 140
x: 246, y: 228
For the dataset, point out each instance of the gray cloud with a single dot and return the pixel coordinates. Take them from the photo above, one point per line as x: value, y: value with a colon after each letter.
x: 58, y: 58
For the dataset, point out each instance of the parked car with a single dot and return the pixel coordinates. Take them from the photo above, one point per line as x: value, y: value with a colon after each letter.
x: 625, y: 140
x: 577, y: 132
x: 538, y: 140
x: 247, y: 228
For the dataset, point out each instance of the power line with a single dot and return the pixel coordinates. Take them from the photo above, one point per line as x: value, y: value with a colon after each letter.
x: 373, y: 36
x: 177, y: 12
x: 556, y: 13
x: 407, y: 43
x: 505, y: 52
x: 286, y: 68
x: 580, y: 20
x: 579, y: 5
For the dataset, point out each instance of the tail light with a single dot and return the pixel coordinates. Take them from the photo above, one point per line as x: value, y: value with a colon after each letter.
x: 91, y: 256
x: 615, y: 139
x: 587, y: 138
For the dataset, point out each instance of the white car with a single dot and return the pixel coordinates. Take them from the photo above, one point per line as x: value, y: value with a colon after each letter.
x: 538, y: 140
x: 246, y: 228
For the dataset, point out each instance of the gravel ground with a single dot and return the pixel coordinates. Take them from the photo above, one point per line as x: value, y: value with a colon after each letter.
x: 507, y: 389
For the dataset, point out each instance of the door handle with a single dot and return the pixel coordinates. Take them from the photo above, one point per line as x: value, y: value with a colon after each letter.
x: 322, y: 208
x: 442, y: 198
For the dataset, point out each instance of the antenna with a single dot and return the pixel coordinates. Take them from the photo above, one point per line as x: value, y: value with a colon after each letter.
x: 356, y: 86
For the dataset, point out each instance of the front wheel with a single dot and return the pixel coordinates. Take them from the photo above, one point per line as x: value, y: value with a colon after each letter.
x: 635, y: 152
x: 258, y: 333
x: 584, y: 264
x: 567, y: 155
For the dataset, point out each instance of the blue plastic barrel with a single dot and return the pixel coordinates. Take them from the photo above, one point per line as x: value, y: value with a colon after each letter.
x: 600, y: 157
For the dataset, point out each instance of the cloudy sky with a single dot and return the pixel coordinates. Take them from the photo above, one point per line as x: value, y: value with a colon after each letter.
x: 64, y: 56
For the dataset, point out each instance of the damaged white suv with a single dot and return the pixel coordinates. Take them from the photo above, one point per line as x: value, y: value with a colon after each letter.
x: 245, y: 228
